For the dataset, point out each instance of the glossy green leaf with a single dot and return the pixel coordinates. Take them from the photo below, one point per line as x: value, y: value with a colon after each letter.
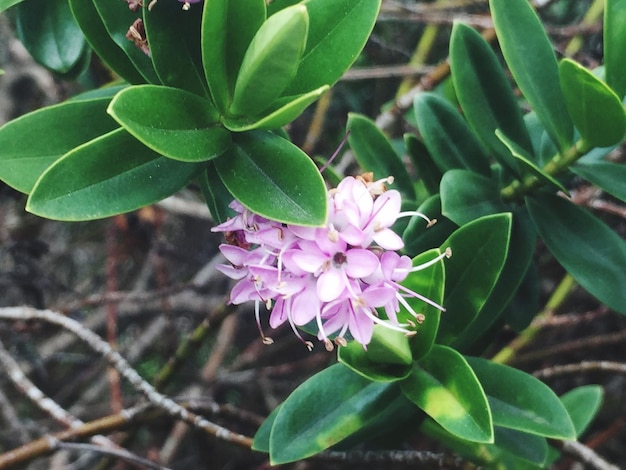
x: 273, y: 178
x: 228, y: 26
x: 107, y: 91
x: 287, y: 109
x: 611, y: 177
x: 533, y: 408
x: 596, y: 110
x: 525, y: 304
x: 614, y: 35
x: 48, y: 31
x: 526, y: 165
x: 418, y: 236
x: 447, y: 136
x: 586, y: 247
x: 429, y: 282
x: 93, y: 28
x: 117, y: 19
x: 519, y: 445
x: 174, y: 38
x: 444, y: 386
x: 466, y: 196
x: 529, y: 55
x: 522, y: 246
x: 338, y: 32
x: 6, y: 4
x: 427, y: 170
x: 25, y: 155
x: 109, y: 175
x: 271, y: 61
x: 386, y: 359
x: 261, y: 441
x: 583, y: 404
x: 215, y: 194
x: 479, y: 251
x: 175, y: 123
x: 374, y: 153
x: 324, y: 410
x: 485, y: 95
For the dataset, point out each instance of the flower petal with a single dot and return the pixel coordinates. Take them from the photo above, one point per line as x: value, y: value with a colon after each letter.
x: 388, y: 239
x: 331, y: 284
x: 360, y: 263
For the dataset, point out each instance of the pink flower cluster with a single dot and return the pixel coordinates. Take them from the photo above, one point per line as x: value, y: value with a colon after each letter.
x: 336, y: 275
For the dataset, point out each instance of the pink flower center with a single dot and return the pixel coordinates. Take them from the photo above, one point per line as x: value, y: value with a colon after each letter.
x: 339, y: 259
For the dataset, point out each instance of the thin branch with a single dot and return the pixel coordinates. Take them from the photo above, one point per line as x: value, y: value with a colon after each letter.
x: 584, y: 454
x: 403, y: 457
x: 116, y: 360
x: 582, y: 367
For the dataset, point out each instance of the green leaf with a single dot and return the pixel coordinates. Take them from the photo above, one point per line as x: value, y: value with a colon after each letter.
x: 48, y: 31
x: 273, y: 178
x: 479, y: 251
x: 6, y: 4
x: 271, y: 61
x: 338, y: 32
x: 614, y: 34
x: 324, y: 410
x: 228, y: 26
x: 466, y: 196
x: 175, y: 123
x: 174, y: 38
x: 374, y: 153
x: 596, y: 110
x: 117, y: 19
x: 532, y: 408
x: 427, y: 170
x: 520, y: 445
x: 586, y: 247
x: 484, y: 94
x: 25, y: 155
x: 606, y: 175
x: 428, y: 282
x: 261, y: 441
x: 287, y: 109
x: 109, y: 175
x: 91, y: 24
x: 447, y: 136
x: 444, y: 386
x: 583, y: 404
x: 215, y: 194
x: 526, y: 165
x: 529, y: 55
x: 386, y: 359
x: 523, y: 241
x: 418, y: 236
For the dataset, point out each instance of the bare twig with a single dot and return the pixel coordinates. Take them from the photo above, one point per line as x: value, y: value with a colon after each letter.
x: 582, y: 367
x: 584, y: 455
x: 404, y: 457
x: 116, y: 360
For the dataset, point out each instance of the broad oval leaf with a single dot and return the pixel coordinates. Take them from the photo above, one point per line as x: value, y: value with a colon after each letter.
x: 271, y: 61
x: 175, y: 123
x: 529, y: 448
x: 449, y: 139
x: 614, y: 38
x: 479, y: 251
x: 338, y: 32
x: 427, y: 171
x: 386, y: 359
x: 48, y: 30
x: 324, y: 410
x: 532, y: 408
x: 374, y: 153
x: 586, y: 247
x: 117, y: 19
x: 93, y: 28
x: 6, y: 4
x: 466, y: 196
x: 174, y: 38
x: 228, y: 26
x: 273, y: 178
x: 217, y: 197
x: 611, y: 177
x: 444, y: 386
x: 596, y: 110
x: 529, y: 55
x: 583, y: 404
x: 484, y: 94
x: 109, y: 175
x: 25, y: 155
x: 418, y: 236
x: 287, y: 109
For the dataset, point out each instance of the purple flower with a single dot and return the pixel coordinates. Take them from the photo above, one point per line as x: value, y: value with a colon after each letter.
x: 335, y: 276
